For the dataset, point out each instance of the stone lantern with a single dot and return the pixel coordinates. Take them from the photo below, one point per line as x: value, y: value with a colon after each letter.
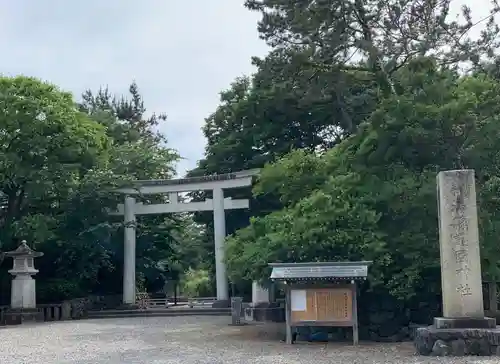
x: 23, y: 293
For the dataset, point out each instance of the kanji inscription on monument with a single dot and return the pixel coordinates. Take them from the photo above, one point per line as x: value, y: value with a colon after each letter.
x: 459, y: 245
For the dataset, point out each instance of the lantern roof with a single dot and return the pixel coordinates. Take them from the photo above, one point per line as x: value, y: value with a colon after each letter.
x: 23, y: 250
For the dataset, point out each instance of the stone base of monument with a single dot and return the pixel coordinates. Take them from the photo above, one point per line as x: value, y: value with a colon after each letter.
x: 23, y: 316
x: 459, y: 337
x: 465, y: 323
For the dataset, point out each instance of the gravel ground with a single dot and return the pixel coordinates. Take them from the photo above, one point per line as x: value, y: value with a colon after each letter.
x: 187, y: 340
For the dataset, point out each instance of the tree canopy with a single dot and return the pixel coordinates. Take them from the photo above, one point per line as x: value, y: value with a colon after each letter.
x: 356, y: 108
x: 59, y: 162
x: 373, y: 196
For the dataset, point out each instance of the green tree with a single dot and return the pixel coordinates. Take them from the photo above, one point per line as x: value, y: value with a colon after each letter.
x: 48, y: 147
x: 280, y: 109
x: 196, y: 283
x: 331, y: 64
x: 53, y: 163
x: 139, y: 152
x: 60, y: 163
x: 374, y: 197
x: 387, y: 34
x: 123, y: 116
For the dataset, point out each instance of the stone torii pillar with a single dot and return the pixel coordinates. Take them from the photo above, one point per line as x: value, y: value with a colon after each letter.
x: 219, y: 236
x: 129, y: 248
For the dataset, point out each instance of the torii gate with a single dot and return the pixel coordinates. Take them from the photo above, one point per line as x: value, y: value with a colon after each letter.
x: 215, y: 183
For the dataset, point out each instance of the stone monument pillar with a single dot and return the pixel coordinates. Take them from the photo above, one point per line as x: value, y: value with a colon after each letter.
x: 463, y: 329
x: 23, y: 293
x: 459, y: 245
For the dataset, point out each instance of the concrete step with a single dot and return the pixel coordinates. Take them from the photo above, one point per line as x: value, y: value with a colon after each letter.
x: 160, y: 312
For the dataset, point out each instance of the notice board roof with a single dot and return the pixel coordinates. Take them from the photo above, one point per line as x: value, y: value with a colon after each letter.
x: 319, y: 271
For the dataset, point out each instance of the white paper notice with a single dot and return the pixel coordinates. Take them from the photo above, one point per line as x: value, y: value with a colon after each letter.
x: 298, y: 300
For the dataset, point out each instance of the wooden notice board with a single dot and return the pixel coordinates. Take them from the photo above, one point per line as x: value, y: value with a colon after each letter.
x: 321, y: 305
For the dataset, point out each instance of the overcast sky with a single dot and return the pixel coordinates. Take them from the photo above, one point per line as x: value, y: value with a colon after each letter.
x: 180, y: 53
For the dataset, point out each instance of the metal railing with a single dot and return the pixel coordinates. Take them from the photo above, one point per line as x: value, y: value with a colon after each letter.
x: 201, y: 301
